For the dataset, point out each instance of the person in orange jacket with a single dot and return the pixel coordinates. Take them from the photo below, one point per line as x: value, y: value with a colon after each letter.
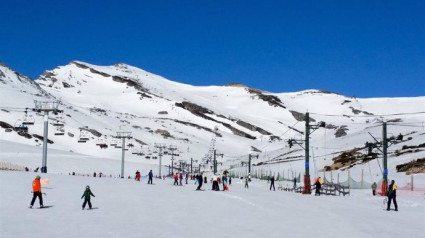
x: 36, y: 190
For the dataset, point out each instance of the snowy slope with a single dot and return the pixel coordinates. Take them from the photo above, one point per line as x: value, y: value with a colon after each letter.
x: 127, y: 208
x: 107, y: 99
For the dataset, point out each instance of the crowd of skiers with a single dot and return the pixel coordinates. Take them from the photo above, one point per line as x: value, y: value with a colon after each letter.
x: 199, y: 179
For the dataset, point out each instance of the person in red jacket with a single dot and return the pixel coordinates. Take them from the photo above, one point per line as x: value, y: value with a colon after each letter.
x: 36, y: 189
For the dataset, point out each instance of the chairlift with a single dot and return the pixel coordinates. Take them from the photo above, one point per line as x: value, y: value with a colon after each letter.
x: 148, y: 157
x: 113, y: 142
x: 59, y: 131
x: 84, y: 137
x: 154, y: 157
x: 28, y: 119
x: 58, y: 123
x: 20, y: 126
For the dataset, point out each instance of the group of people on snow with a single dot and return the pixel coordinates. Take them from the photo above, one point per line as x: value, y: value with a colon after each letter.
x: 36, y: 191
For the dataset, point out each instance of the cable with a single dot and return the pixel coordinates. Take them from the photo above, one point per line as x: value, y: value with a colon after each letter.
x: 382, y: 115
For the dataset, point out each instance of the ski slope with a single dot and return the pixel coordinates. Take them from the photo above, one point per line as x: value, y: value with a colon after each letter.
x: 127, y: 208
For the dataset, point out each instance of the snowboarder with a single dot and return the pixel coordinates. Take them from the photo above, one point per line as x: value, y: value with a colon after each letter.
x: 318, y: 186
x: 150, y: 177
x: 272, y: 183
x: 392, y: 189
x: 36, y: 190
x: 246, y: 182
x: 374, y: 188
x: 86, y: 195
x: 137, y: 175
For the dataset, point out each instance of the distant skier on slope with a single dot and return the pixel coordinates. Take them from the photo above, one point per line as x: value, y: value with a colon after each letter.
x: 374, y: 188
x: 318, y: 185
x: 87, y: 193
x: 246, y: 182
x: 392, y: 188
x: 181, y: 179
x: 150, y: 177
x: 137, y: 175
x: 36, y: 189
x: 176, y: 178
x: 200, y: 180
x: 272, y: 183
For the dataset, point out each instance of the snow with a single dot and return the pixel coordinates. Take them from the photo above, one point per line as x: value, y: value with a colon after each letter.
x: 128, y: 208
x: 131, y: 209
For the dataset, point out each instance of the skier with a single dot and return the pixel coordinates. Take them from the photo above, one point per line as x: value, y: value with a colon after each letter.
x: 199, y: 178
x: 181, y: 178
x: 295, y: 183
x: 137, y: 175
x: 318, y: 186
x: 150, y: 177
x: 392, y: 189
x: 86, y: 196
x: 36, y: 190
x: 246, y: 182
x: 176, y: 177
x: 374, y: 188
x: 94, y: 174
x: 230, y: 180
x: 272, y: 183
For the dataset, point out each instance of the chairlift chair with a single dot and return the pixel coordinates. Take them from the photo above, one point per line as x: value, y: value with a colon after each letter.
x: 59, y: 131
x: 28, y: 119
x: 83, y: 137
x: 20, y: 127
x: 58, y: 123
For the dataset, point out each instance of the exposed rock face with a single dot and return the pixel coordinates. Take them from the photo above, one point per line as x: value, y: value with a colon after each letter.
x: 412, y: 167
x: 5, y: 125
x: 300, y: 116
x: 201, y: 111
x: 41, y: 138
x: 272, y: 100
x: 341, y: 131
x: 253, y: 128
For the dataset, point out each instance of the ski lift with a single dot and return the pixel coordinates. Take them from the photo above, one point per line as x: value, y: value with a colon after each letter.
x: 114, y: 142
x: 154, y: 157
x: 84, y: 137
x: 59, y: 131
x: 20, y: 127
x: 58, y: 122
x: 28, y: 119
x: 148, y: 157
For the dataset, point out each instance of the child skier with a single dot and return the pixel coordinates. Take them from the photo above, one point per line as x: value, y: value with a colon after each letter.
x: 86, y: 196
x: 36, y: 189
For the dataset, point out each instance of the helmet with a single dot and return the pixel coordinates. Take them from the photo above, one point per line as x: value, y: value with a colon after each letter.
x: 37, y: 177
x: 87, y: 187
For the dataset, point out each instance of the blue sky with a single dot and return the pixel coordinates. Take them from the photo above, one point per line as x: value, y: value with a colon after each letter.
x: 356, y: 48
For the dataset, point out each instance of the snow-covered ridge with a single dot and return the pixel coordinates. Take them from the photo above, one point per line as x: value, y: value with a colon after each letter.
x: 101, y: 100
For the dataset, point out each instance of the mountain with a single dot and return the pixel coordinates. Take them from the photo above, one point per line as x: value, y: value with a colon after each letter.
x: 98, y: 101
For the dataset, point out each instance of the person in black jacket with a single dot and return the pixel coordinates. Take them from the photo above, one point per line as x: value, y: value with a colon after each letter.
x: 392, y: 188
x: 200, y: 180
x: 150, y: 177
x: 318, y: 187
x: 272, y: 183
x: 86, y: 196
